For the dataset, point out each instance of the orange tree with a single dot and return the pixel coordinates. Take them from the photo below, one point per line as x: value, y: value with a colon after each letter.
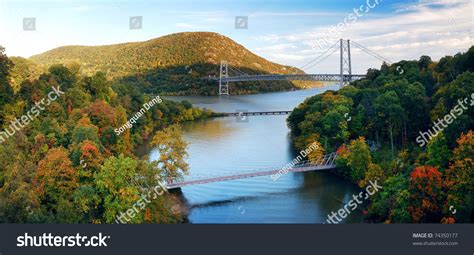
x: 426, y: 196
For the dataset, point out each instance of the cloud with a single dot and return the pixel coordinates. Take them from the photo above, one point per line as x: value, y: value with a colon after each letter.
x: 277, y: 47
x: 413, y: 7
x: 295, y: 14
x: 435, y: 28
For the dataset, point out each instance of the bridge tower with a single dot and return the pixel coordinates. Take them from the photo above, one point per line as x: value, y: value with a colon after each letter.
x: 223, y: 75
x: 346, y: 67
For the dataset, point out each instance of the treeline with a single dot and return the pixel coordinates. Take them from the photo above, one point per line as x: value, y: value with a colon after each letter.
x: 192, y: 80
x: 68, y: 164
x: 409, y: 125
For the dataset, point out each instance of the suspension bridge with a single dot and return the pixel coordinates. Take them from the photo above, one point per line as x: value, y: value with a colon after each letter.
x: 344, y: 77
x: 325, y: 163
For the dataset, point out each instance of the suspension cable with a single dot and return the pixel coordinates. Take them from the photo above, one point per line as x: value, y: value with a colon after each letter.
x: 372, y: 53
x: 305, y: 66
x: 321, y: 60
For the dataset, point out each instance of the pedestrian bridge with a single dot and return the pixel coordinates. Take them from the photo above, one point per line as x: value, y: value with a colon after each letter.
x: 325, y: 163
x: 243, y: 113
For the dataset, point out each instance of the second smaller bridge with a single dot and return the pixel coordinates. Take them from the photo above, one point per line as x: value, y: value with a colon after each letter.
x: 243, y: 113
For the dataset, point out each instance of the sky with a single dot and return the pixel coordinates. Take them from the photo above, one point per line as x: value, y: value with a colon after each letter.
x: 291, y: 32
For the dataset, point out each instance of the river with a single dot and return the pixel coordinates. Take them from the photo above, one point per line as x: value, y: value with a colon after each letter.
x: 235, y: 144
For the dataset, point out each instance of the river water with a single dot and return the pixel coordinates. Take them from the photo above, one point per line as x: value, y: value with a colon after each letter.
x: 236, y: 144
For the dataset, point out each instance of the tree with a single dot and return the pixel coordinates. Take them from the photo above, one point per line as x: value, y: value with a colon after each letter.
x: 390, y: 205
x: 6, y: 91
x: 425, y: 186
x: 449, y: 98
x: 102, y: 114
x: 99, y: 87
x: 354, y: 159
x: 460, y: 178
x: 114, y: 183
x: 63, y: 76
x: 56, y: 179
x: 18, y: 204
x: 172, y: 153
x: 77, y: 98
x: 316, y: 153
x: 438, y: 152
x: 389, y: 113
x: 374, y: 172
x: 413, y: 100
x: 359, y: 158
x: 88, y: 159
x: 424, y: 62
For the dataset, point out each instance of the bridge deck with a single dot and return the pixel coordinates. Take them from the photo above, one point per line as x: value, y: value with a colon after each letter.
x: 292, y: 77
x: 254, y: 113
x: 302, y: 168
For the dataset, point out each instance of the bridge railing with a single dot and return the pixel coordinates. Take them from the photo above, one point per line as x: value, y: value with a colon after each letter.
x: 326, y: 161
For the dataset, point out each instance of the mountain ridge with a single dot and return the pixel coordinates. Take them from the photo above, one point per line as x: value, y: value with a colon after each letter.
x: 172, y: 63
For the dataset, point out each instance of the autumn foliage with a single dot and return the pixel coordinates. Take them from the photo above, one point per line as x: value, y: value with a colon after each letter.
x: 425, y: 185
x: 56, y: 178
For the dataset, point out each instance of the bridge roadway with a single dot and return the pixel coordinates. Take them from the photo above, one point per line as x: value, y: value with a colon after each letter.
x: 292, y: 77
x: 253, y: 113
x: 327, y: 163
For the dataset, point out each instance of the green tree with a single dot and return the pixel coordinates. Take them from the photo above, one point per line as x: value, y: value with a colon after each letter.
x: 389, y: 113
x: 99, y: 87
x: 6, y: 91
x: 114, y: 183
x: 359, y: 158
x: 63, y: 76
x: 438, y: 152
x: 391, y: 204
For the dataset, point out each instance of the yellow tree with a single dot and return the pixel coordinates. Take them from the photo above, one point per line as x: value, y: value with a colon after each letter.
x: 314, y: 148
x: 374, y: 172
x: 172, y: 153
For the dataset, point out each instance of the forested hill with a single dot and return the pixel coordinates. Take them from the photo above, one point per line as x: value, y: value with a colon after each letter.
x: 408, y: 126
x: 172, y: 64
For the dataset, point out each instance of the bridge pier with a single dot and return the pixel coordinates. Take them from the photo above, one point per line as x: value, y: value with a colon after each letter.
x: 223, y: 81
x: 346, y: 66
